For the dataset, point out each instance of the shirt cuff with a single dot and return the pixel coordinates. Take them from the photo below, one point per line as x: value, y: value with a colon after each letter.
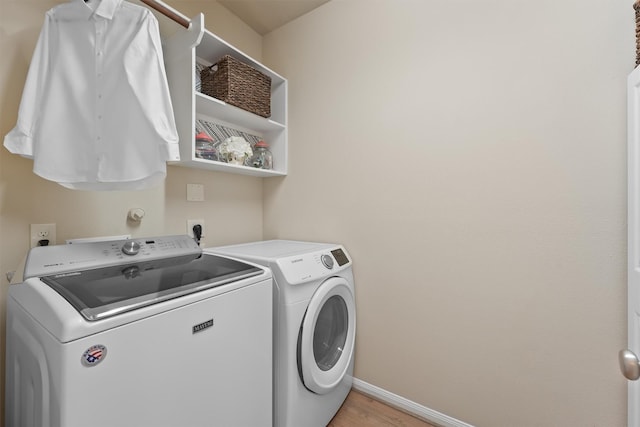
x: 173, y: 152
x: 18, y: 142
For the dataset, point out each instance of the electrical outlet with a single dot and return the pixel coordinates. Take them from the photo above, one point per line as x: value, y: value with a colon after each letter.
x: 42, y: 233
x: 191, y: 223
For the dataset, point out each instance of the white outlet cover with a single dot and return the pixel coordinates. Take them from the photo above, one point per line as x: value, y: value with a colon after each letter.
x: 42, y: 231
x: 191, y: 223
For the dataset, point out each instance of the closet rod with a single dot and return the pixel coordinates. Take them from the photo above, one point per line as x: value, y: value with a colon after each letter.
x: 167, y: 12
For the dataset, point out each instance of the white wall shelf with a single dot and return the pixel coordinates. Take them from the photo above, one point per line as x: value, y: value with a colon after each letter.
x: 196, y: 44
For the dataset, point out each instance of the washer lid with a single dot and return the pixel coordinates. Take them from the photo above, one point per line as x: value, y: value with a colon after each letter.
x: 103, y: 292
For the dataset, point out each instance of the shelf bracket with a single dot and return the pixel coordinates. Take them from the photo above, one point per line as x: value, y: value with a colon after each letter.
x: 190, y: 37
x: 197, y: 29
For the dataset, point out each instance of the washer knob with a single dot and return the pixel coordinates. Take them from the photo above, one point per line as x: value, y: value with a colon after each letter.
x: 131, y: 248
x: 327, y: 261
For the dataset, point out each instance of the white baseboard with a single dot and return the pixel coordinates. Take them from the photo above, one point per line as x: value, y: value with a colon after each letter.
x: 408, y: 406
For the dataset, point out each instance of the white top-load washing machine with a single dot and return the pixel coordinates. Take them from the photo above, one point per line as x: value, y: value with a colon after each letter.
x: 314, y: 326
x: 143, y: 332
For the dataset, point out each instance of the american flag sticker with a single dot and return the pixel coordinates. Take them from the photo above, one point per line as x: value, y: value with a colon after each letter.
x: 94, y: 355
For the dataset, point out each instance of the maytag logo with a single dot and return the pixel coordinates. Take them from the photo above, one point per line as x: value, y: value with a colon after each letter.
x: 202, y: 326
x: 293, y: 261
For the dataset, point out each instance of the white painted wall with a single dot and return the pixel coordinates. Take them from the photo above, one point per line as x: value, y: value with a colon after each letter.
x: 471, y: 156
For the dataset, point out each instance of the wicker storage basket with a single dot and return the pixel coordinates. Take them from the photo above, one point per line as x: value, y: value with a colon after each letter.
x: 238, y: 84
x: 636, y: 6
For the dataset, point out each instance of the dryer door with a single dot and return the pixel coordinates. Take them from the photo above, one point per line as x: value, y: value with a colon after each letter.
x: 327, y: 336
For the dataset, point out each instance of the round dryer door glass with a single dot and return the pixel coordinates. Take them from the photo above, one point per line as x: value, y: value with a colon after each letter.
x: 327, y: 335
x: 330, y: 333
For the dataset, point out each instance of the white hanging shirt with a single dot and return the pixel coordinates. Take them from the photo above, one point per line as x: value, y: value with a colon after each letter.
x: 95, y: 112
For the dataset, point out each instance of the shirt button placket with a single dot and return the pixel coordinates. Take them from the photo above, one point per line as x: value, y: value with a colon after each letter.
x: 99, y: 111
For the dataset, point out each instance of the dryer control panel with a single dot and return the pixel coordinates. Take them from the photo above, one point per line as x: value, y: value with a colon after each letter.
x: 47, y: 260
x: 302, y: 268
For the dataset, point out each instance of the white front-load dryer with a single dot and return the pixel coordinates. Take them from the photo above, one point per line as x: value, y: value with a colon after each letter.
x: 314, y: 326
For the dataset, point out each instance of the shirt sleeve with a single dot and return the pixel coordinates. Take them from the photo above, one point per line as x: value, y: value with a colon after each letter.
x: 20, y: 139
x: 144, y: 66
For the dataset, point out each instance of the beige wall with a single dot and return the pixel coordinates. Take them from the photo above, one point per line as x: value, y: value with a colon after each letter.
x: 233, y: 204
x: 471, y: 157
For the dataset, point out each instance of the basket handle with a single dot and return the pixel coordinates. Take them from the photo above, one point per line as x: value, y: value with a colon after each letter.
x: 210, y: 68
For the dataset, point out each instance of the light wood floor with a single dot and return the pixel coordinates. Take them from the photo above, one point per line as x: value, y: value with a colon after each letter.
x: 362, y: 411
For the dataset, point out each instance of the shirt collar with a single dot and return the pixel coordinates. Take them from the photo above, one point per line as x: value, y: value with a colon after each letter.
x: 104, y: 8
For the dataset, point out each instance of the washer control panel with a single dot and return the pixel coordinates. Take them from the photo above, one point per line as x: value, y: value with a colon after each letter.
x: 47, y: 260
x: 131, y: 248
x: 302, y: 268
